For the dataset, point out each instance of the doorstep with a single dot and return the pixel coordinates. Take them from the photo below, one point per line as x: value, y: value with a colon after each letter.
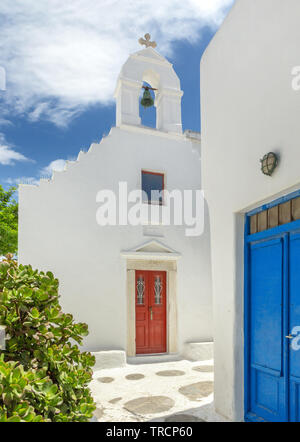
x: 153, y: 358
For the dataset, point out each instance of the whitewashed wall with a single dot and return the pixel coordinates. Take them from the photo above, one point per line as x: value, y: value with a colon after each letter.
x: 248, y: 109
x: 58, y: 232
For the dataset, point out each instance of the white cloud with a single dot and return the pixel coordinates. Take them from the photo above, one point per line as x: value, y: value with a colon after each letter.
x: 46, y: 173
x: 22, y: 180
x: 2, y: 79
x: 55, y: 166
x: 8, y: 156
x: 63, y: 56
x: 5, y: 122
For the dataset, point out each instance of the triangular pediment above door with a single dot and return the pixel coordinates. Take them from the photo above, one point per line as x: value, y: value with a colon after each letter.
x: 152, y: 249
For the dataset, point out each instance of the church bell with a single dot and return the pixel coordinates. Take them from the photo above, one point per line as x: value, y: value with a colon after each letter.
x: 147, y: 100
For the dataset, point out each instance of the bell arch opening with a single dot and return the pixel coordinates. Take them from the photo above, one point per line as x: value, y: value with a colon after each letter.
x: 148, y: 68
x: 147, y: 114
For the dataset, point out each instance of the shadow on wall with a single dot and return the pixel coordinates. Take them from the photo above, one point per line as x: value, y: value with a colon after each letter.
x: 208, y: 256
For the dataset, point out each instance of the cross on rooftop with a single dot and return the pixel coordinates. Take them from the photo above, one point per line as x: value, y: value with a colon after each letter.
x: 146, y: 41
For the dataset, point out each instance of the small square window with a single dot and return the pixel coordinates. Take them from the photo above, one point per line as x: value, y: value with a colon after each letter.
x: 153, y: 186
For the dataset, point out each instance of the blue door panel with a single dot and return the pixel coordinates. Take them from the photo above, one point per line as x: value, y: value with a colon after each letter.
x: 272, y: 325
x: 266, y: 301
x: 267, y: 393
x: 267, y: 384
x: 294, y: 400
x: 294, y: 326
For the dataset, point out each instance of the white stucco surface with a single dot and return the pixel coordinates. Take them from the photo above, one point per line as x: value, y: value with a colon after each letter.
x: 58, y: 232
x: 198, y: 351
x: 249, y: 108
x: 109, y: 359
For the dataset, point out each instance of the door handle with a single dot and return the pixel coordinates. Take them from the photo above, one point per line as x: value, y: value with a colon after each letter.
x: 290, y: 337
x: 151, y: 313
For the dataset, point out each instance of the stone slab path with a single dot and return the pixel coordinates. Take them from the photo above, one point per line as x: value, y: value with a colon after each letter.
x: 177, y: 391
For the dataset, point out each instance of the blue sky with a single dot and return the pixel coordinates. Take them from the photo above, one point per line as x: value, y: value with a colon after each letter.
x: 62, y: 62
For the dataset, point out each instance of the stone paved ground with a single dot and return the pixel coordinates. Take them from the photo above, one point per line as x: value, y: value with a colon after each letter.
x: 177, y: 391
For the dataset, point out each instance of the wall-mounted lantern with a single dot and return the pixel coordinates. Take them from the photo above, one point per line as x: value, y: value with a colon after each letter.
x: 269, y: 163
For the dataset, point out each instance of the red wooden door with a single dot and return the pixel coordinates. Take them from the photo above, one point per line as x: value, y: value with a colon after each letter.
x: 150, y: 312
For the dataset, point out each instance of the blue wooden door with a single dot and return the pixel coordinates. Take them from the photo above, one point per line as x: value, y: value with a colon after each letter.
x: 267, y: 375
x: 294, y: 327
x: 272, y: 326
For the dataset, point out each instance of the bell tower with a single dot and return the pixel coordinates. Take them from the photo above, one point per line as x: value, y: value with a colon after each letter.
x: 149, y: 66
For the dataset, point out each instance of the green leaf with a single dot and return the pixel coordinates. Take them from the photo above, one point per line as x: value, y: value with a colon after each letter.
x: 35, y: 313
x: 14, y: 419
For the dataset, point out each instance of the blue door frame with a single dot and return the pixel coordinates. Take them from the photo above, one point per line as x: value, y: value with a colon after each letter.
x: 287, y: 384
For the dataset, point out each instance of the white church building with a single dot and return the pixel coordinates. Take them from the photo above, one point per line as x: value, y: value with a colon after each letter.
x: 144, y: 288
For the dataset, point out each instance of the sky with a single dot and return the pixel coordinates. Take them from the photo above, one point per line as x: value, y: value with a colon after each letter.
x: 59, y: 63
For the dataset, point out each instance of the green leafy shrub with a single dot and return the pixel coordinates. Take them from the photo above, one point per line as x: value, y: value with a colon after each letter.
x: 8, y: 221
x: 43, y: 375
